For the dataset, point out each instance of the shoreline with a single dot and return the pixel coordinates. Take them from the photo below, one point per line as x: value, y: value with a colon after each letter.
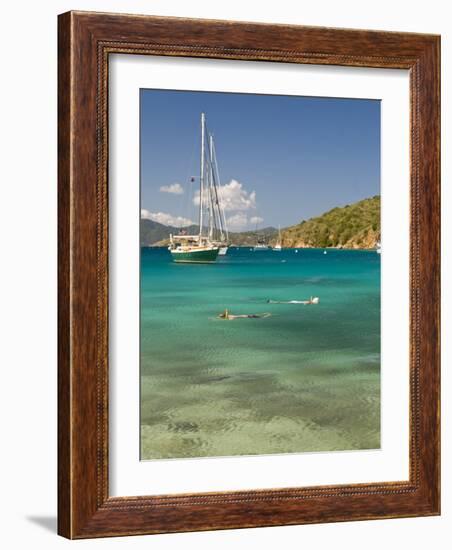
x: 283, y: 248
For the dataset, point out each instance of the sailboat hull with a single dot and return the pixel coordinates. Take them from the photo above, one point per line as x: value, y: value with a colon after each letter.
x: 195, y: 256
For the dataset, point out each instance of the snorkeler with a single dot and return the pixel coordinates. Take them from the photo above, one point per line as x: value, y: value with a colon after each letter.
x: 228, y: 317
x: 312, y: 300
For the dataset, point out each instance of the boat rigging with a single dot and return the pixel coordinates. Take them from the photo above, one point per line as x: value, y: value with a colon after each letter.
x: 212, y: 239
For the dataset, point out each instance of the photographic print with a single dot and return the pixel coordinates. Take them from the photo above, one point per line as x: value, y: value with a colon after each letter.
x: 245, y: 337
x: 260, y: 274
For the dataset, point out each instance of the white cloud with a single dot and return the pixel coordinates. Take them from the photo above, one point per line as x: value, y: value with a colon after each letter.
x: 233, y: 197
x: 166, y: 219
x: 237, y: 222
x: 256, y: 220
x: 174, y: 188
x: 241, y: 222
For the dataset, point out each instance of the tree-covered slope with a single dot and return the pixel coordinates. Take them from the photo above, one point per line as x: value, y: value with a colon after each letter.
x: 152, y: 232
x: 353, y: 226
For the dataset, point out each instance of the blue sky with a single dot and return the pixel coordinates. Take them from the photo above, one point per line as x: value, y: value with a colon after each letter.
x: 282, y: 159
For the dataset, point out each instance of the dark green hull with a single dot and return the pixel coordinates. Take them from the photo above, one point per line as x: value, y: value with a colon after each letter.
x: 195, y: 256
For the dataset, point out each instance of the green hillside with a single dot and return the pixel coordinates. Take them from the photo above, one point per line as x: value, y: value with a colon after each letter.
x: 353, y: 226
x: 152, y: 232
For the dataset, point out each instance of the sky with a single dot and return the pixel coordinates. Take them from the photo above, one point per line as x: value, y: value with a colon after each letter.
x: 282, y: 159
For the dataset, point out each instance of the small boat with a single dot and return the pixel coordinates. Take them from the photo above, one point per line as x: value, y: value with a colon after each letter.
x: 278, y: 246
x: 212, y: 238
x: 261, y: 242
x: 378, y: 248
x: 261, y: 245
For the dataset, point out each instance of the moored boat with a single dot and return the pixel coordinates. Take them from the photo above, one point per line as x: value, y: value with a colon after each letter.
x: 212, y: 238
x: 261, y: 245
x: 261, y: 242
x: 193, y: 252
x: 278, y: 245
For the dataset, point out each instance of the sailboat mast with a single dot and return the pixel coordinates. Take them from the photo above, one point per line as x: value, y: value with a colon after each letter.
x: 201, y: 177
x: 211, y: 183
x: 217, y: 187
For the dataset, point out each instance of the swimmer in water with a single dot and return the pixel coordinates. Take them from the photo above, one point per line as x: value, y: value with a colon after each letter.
x: 312, y: 300
x: 228, y: 317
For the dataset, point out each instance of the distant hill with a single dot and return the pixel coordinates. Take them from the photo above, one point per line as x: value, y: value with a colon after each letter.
x: 353, y: 226
x: 152, y: 232
x: 356, y: 225
x: 156, y: 234
x: 249, y: 238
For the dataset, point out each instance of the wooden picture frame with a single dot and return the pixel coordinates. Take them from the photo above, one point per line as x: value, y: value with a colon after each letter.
x: 85, y: 42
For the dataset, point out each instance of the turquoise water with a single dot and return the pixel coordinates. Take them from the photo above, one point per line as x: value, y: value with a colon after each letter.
x: 307, y: 378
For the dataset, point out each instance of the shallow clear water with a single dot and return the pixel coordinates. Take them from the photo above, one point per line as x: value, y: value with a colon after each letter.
x: 307, y: 378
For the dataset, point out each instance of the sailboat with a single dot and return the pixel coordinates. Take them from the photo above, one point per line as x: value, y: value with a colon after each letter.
x: 261, y: 243
x: 205, y: 246
x: 278, y: 245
